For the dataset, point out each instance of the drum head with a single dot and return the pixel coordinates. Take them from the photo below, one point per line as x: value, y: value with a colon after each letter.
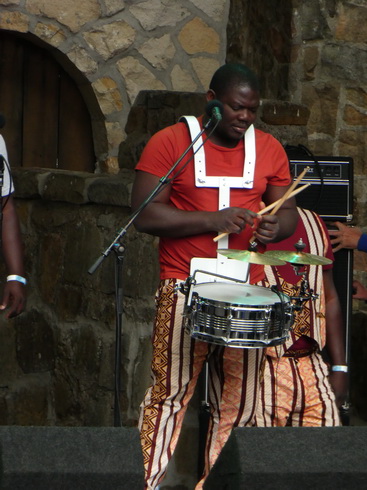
x: 238, y: 294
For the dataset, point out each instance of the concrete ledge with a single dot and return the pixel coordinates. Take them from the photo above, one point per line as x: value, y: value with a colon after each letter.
x: 73, y: 187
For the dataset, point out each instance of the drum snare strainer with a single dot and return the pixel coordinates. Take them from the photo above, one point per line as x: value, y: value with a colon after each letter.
x: 238, y: 315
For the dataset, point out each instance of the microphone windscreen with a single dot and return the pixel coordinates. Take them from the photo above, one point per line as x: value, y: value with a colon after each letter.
x: 213, y: 104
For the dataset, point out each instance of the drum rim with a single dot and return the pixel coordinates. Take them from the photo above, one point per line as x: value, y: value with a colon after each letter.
x: 269, y: 298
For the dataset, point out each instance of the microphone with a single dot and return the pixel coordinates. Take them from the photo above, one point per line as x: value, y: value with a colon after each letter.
x: 214, y: 109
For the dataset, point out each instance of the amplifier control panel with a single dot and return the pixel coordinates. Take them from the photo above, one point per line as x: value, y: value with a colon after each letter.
x: 331, y: 191
x: 327, y: 169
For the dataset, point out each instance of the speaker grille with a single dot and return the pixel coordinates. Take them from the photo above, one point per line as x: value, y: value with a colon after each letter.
x: 330, y: 193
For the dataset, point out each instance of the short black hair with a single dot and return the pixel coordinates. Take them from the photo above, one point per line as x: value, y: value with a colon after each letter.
x: 233, y: 75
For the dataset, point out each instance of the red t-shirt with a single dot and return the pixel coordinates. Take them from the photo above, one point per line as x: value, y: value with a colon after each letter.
x: 166, y: 147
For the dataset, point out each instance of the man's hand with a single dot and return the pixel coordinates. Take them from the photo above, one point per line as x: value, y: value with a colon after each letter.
x: 233, y: 220
x: 268, y: 228
x: 344, y: 236
x: 14, y: 299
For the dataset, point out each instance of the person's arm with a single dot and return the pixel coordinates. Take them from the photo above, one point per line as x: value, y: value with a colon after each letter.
x: 345, y: 236
x: 14, y: 296
x: 335, y: 338
x: 160, y: 218
x: 360, y: 291
x: 362, y: 243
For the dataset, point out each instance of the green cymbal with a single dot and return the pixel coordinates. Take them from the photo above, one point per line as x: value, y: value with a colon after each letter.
x: 250, y: 257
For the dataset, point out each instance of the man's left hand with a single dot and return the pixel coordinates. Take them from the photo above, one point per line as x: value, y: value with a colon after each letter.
x: 14, y: 299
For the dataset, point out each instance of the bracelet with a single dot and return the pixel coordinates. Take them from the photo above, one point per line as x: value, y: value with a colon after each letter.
x: 14, y: 277
x: 343, y: 369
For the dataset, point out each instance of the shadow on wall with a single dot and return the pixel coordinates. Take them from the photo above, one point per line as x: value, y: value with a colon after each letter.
x: 262, y: 38
x: 151, y: 112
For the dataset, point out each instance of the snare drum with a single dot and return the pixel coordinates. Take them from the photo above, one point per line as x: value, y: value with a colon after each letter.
x: 238, y: 315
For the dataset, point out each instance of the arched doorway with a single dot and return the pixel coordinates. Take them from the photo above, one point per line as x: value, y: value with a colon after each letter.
x: 47, y: 122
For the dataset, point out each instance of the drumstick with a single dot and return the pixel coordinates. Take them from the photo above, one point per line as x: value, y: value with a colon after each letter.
x: 269, y: 208
x: 290, y: 190
x: 275, y: 203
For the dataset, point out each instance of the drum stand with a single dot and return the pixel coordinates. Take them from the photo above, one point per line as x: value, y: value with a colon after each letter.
x: 204, y: 415
x: 305, y: 292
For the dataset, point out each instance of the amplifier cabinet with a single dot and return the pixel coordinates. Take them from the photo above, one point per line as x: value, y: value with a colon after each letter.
x: 330, y: 193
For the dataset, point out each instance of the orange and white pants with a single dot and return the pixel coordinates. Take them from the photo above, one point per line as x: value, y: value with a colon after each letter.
x: 176, y: 365
x: 296, y: 392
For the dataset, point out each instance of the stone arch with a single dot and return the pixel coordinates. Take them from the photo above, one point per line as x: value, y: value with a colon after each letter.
x: 102, y: 145
x: 83, y: 86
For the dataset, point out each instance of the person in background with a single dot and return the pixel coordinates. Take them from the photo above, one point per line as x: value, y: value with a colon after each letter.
x: 354, y: 238
x: 14, y: 295
x: 299, y: 388
x: 221, y: 195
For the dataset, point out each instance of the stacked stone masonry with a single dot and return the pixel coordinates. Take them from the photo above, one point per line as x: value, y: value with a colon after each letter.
x: 123, y: 47
x: 147, y: 63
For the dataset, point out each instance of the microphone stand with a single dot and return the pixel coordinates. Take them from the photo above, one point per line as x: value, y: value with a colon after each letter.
x: 119, y: 250
x: 2, y: 167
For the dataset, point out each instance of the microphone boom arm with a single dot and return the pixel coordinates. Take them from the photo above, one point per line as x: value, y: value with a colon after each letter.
x: 163, y: 181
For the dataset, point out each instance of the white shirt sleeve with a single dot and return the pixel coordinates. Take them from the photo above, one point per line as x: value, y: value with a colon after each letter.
x: 7, y: 187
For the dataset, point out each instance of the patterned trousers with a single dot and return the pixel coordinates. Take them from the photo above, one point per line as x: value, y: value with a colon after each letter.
x: 296, y: 393
x: 176, y: 365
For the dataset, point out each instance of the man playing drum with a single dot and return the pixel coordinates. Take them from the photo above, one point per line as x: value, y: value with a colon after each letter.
x: 239, y: 170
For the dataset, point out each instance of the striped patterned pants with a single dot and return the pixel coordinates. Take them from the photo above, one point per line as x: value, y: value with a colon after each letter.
x: 176, y: 365
x: 296, y: 393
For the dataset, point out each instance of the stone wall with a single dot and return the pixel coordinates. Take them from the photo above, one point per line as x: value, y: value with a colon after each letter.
x: 329, y: 76
x: 121, y: 47
x: 262, y: 38
x: 314, y: 53
x: 57, y: 359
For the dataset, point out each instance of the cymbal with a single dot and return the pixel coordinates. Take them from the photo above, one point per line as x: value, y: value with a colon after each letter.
x: 300, y: 258
x: 250, y: 257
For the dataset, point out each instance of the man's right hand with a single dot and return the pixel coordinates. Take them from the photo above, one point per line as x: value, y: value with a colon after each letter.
x: 233, y: 220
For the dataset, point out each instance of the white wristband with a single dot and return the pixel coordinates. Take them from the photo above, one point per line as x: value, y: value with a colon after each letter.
x: 14, y: 277
x: 343, y: 369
